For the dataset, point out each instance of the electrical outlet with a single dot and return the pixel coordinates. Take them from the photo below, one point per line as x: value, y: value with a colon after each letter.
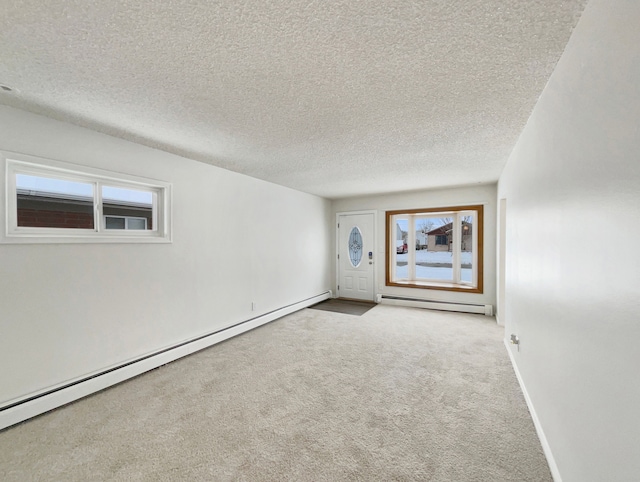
x: 515, y: 340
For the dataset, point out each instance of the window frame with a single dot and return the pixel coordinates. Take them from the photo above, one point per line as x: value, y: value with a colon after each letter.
x: 455, y: 211
x: 30, y: 165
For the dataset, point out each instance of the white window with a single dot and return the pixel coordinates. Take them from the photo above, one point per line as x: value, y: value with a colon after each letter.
x: 435, y: 248
x: 49, y: 201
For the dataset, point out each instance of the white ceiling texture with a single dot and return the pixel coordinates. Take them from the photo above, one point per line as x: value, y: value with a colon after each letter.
x: 335, y: 98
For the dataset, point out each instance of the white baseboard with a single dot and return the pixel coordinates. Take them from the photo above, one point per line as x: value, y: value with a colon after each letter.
x: 546, y: 448
x: 28, y: 406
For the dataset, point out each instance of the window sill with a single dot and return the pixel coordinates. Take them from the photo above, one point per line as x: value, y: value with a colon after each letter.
x: 90, y: 238
x: 435, y: 285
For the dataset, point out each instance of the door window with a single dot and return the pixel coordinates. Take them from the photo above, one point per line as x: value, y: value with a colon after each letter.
x: 355, y: 247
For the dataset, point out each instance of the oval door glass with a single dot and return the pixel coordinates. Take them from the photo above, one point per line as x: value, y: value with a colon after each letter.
x: 355, y: 247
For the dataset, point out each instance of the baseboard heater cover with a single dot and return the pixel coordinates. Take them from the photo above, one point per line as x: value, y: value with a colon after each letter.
x: 38, y: 403
x: 436, y: 305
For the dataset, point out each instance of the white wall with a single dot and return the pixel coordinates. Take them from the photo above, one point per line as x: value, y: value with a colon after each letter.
x: 71, y: 309
x: 480, y: 194
x: 572, y: 186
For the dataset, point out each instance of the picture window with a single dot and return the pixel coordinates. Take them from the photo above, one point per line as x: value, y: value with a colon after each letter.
x: 435, y: 248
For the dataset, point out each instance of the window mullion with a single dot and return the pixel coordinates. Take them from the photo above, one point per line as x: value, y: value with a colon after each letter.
x: 97, y: 200
x: 156, y: 213
x: 455, y: 254
x: 411, y: 247
x: 392, y: 250
x: 474, y: 235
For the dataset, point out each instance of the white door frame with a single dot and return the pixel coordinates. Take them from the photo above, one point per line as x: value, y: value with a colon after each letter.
x: 375, y: 248
x: 501, y: 261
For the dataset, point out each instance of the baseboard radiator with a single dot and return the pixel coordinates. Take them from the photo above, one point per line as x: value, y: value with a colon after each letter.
x: 15, y: 411
x: 436, y: 305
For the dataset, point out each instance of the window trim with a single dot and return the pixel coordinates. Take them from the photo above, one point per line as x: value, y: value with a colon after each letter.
x: 478, y: 233
x: 24, y: 164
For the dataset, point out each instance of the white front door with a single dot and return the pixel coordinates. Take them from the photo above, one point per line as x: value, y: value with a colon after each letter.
x: 356, y: 256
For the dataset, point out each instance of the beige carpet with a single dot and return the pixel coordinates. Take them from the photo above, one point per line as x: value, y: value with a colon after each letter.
x: 395, y: 394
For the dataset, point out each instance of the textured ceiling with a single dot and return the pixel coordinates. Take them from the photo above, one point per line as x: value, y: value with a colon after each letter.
x: 332, y: 98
